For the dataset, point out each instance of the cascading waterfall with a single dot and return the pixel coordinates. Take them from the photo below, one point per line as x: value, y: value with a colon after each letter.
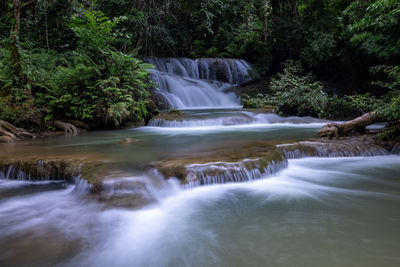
x: 199, y: 83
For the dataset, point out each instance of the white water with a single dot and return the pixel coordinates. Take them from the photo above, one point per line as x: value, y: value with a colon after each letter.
x: 216, y: 119
x: 200, y: 83
x: 317, y: 212
x: 232, y: 71
x: 312, y: 214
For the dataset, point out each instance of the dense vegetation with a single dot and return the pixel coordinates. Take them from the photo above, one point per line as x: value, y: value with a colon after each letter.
x: 79, y: 60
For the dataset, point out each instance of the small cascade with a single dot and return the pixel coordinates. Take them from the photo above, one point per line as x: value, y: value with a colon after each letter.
x: 232, y: 172
x: 39, y: 170
x: 192, y: 175
x: 199, y: 83
x: 82, y: 186
x: 334, y: 149
x: 46, y: 171
x: 232, y: 71
x: 182, y: 92
x: 229, y: 119
x: 135, y: 191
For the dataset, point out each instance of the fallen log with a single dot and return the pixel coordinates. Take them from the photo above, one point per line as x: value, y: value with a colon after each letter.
x: 358, y: 124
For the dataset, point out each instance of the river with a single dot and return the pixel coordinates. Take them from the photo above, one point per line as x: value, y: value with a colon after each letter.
x: 325, y: 210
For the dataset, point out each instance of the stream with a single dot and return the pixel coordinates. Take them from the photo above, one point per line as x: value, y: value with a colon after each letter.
x: 325, y: 210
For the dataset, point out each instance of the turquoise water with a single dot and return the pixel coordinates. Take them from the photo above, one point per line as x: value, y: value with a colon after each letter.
x: 317, y: 212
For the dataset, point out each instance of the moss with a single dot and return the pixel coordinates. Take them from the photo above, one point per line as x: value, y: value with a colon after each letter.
x: 172, y: 115
x: 175, y: 112
x: 37, y: 169
x: 178, y: 171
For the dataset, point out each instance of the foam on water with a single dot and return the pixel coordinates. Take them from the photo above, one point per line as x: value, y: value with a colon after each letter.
x: 235, y: 118
x: 231, y: 224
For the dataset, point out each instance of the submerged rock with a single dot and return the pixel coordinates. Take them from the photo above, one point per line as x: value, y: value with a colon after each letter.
x: 129, y: 140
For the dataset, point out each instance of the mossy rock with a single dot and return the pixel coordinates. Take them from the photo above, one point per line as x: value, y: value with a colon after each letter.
x: 177, y: 171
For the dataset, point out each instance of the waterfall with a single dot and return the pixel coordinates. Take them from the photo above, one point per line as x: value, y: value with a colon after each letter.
x: 199, y: 83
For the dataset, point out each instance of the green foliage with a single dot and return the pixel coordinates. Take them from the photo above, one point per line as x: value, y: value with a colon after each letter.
x: 391, y: 77
x: 341, y: 108
x: 94, y: 29
x: 392, y: 110
x: 16, y: 104
x: 390, y: 82
x: 294, y: 94
x: 320, y: 48
x: 81, y: 92
x: 259, y: 101
x: 364, y: 103
x: 95, y: 83
x: 378, y: 31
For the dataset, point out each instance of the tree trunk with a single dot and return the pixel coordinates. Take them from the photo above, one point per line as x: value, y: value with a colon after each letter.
x: 14, y: 34
x: 14, y: 41
x: 358, y: 124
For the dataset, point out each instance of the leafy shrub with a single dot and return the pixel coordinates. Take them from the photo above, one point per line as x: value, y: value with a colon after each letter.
x: 391, y: 111
x: 259, y: 101
x: 340, y: 108
x: 80, y: 91
x: 351, y: 106
x: 294, y: 94
x: 364, y: 103
x: 390, y: 82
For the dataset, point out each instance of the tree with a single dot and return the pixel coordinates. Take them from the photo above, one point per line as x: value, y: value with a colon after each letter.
x: 378, y: 32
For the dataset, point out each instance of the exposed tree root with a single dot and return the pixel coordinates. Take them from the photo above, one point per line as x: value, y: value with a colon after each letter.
x: 10, y: 133
x: 68, y: 128
x: 79, y: 124
x: 340, y: 129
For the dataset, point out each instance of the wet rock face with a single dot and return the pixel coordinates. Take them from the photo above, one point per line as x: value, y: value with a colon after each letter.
x: 224, y: 172
x: 125, y: 193
x: 224, y: 70
x: 159, y: 100
x: 195, y: 174
x: 396, y: 149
